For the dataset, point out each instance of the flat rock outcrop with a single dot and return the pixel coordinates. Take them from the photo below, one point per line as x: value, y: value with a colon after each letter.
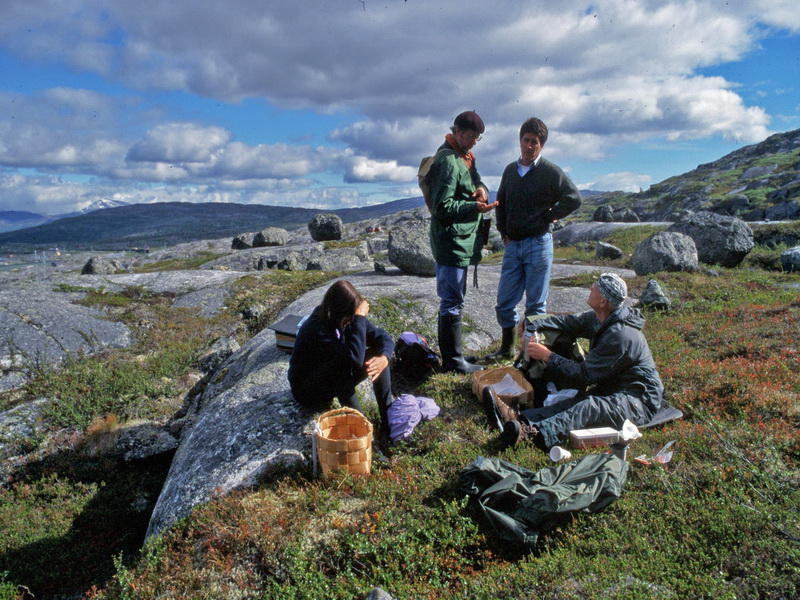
x: 44, y: 327
x: 43, y: 322
x: 575, y: 233
x: 312, y: 256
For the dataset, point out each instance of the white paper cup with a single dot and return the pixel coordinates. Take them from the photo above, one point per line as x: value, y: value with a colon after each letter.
x: 558, y: 453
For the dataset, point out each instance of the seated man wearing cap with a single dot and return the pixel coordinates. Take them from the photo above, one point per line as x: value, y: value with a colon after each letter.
x: 618, y: 371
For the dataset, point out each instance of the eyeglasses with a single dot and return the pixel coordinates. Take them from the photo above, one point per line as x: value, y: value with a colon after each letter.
x: 473, y: 137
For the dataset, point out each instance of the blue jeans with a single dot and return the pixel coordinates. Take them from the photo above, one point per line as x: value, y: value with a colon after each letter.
x: 451, y: 286
x: 526, y: 268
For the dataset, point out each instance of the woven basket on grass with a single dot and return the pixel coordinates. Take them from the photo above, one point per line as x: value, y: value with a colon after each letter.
x: 344, y: 441
x: 480, y: 379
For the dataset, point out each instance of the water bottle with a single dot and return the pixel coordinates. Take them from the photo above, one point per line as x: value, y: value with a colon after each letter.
x: 525, y: 361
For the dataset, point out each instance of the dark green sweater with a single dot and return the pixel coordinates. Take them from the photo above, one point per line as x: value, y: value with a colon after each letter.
x: 529, y: 205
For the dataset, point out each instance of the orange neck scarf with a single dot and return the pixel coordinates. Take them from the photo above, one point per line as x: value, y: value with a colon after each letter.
x: 468, y: 157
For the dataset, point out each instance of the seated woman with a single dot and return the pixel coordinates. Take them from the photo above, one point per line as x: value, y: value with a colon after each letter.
x: 336, y: 348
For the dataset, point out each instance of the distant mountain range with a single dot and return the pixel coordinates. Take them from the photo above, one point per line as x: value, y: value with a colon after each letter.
x: 755, y: 182
x: 11, y: 220
x: 168, y: 223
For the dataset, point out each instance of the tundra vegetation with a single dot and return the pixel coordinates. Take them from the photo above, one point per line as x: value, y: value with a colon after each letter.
x: 718, y: 521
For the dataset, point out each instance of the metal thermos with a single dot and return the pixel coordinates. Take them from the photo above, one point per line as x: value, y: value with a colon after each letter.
x: 525, y: 360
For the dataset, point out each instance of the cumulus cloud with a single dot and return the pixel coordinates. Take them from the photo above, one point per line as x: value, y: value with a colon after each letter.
x: 602, y: 74
x: 365, y: 170
x: 51, y: 195
x: 179, y: 142
x: 623, y: 182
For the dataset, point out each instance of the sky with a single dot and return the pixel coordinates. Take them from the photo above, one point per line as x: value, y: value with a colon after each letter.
x: 332, y: 104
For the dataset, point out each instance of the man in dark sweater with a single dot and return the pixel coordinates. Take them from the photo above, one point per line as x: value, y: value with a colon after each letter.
x: 533, y: 194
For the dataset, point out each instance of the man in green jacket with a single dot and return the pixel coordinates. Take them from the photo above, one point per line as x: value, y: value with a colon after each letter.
x: 458, y: 199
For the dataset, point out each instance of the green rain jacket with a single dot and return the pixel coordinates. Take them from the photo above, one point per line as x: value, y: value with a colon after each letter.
x: 454, y: 213
x: 520, y: 504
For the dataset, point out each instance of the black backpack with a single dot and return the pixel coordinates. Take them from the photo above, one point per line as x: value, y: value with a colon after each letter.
x: 413, y: 356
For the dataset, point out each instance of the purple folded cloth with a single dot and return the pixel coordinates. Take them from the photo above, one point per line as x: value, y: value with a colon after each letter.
x: 406, y: 412
x: 427, y: 407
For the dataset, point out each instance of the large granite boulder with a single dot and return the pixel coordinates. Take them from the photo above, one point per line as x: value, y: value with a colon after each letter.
x: 785, y: 211
x: 98, y: 265
x: 245, y: 428
x: 410, y: 249
x: 326, y: 227
x: 271, y: 236
x: 790, y: 260
x: 243, y: 241
x: 664, y: 251
x: 606, y: 250
x: 603, y: 214
x: 719, y: 239
x: 785, y: 192
x: 626, y: 215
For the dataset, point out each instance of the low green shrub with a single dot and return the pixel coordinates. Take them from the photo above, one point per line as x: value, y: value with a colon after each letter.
x: 766, y: 257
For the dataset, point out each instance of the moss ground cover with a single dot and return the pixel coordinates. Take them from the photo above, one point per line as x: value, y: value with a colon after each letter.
x: 719, y: 521
x: 626, y: 239
x: 67, y: 511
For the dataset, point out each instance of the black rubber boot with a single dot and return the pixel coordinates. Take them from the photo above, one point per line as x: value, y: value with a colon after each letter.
x: 506, y: 351
x: 450, y: 346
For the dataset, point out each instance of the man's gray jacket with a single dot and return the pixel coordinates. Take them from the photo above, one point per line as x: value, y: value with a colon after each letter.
x: 618, y: 369
x: 619, y: 359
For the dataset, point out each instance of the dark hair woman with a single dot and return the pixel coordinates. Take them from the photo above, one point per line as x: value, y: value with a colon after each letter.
x: 337, y: 347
